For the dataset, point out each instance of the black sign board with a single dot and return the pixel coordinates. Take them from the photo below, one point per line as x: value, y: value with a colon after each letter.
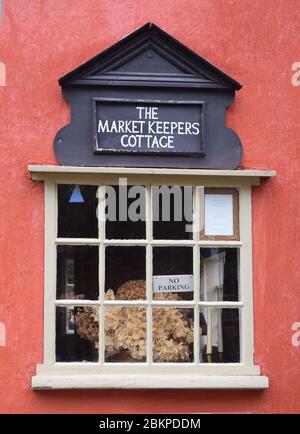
x: 148, y: 101
x: 148, y: 127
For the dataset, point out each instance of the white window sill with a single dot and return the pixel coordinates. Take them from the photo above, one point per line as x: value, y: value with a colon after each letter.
x: 142, y: 381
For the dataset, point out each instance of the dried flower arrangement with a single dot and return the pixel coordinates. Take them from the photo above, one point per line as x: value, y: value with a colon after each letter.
x: 125, y: 327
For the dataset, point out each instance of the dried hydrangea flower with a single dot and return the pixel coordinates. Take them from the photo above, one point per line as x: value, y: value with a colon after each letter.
x: 87, y: 324
x: 125, y: 327
x: 132, y: 290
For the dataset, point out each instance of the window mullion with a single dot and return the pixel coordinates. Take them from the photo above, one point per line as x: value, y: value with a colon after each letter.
x: 76, y: 302
x: 222, y: 304
x: 101, y: 267
x: 246, y: 291
x: 197, y: 191
x: 77, y: 241
x: 149, y: 235
x: 220, y: 243
x: 50, y: 272
x: 172, y: 243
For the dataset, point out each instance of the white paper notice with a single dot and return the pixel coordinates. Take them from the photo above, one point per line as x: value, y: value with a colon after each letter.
x: 218, y: 214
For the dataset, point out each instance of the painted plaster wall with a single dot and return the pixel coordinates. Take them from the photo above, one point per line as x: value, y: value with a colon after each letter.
x: 256, y: 42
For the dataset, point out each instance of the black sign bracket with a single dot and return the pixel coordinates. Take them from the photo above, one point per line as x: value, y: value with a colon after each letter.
x: 148, y: 101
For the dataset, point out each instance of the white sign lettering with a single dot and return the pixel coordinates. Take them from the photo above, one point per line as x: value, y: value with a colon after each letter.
x: 148, y: 132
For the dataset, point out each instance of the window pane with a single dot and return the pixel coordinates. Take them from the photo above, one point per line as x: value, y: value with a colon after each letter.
x: 77, y: 330
x: 77, y: 205
x: 125, y: 272
x: 220, y: 339
x: 172, y: 212
x: 176, y: 264
x: 173, y: 334
x: 125, y: 334
x: 126, y: 212
x: 77, y: 272
x: 219, y: 274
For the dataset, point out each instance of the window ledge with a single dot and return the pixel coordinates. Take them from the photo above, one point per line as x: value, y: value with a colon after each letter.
x: 116, y: 381
x: 39, y: 170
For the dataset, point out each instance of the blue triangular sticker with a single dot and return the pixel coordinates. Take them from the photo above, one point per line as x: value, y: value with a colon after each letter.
x: 76, y: 196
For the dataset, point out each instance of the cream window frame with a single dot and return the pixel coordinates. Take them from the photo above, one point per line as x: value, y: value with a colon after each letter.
x: 56, y: 375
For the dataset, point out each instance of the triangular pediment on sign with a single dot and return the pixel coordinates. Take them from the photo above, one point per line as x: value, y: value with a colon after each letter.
x: 150, y: 61
x: 149, y: 56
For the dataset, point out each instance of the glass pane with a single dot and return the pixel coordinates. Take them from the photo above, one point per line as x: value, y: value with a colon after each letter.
x: 77, y: 330
x: 172, y: 212
x: 126, y: 212
x: 220, y: 338
x: 173, y: 334
x: 125, y: 272
x: 77, y: 272
x: 173, y: 273
x: 77, y: 205
x: 219, y: 274
x: 125, y: 334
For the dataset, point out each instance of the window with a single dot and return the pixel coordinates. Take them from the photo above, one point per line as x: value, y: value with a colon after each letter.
x: 148, y: 282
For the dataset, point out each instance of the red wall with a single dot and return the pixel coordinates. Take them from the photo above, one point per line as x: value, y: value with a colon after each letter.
x: 254, y: 41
